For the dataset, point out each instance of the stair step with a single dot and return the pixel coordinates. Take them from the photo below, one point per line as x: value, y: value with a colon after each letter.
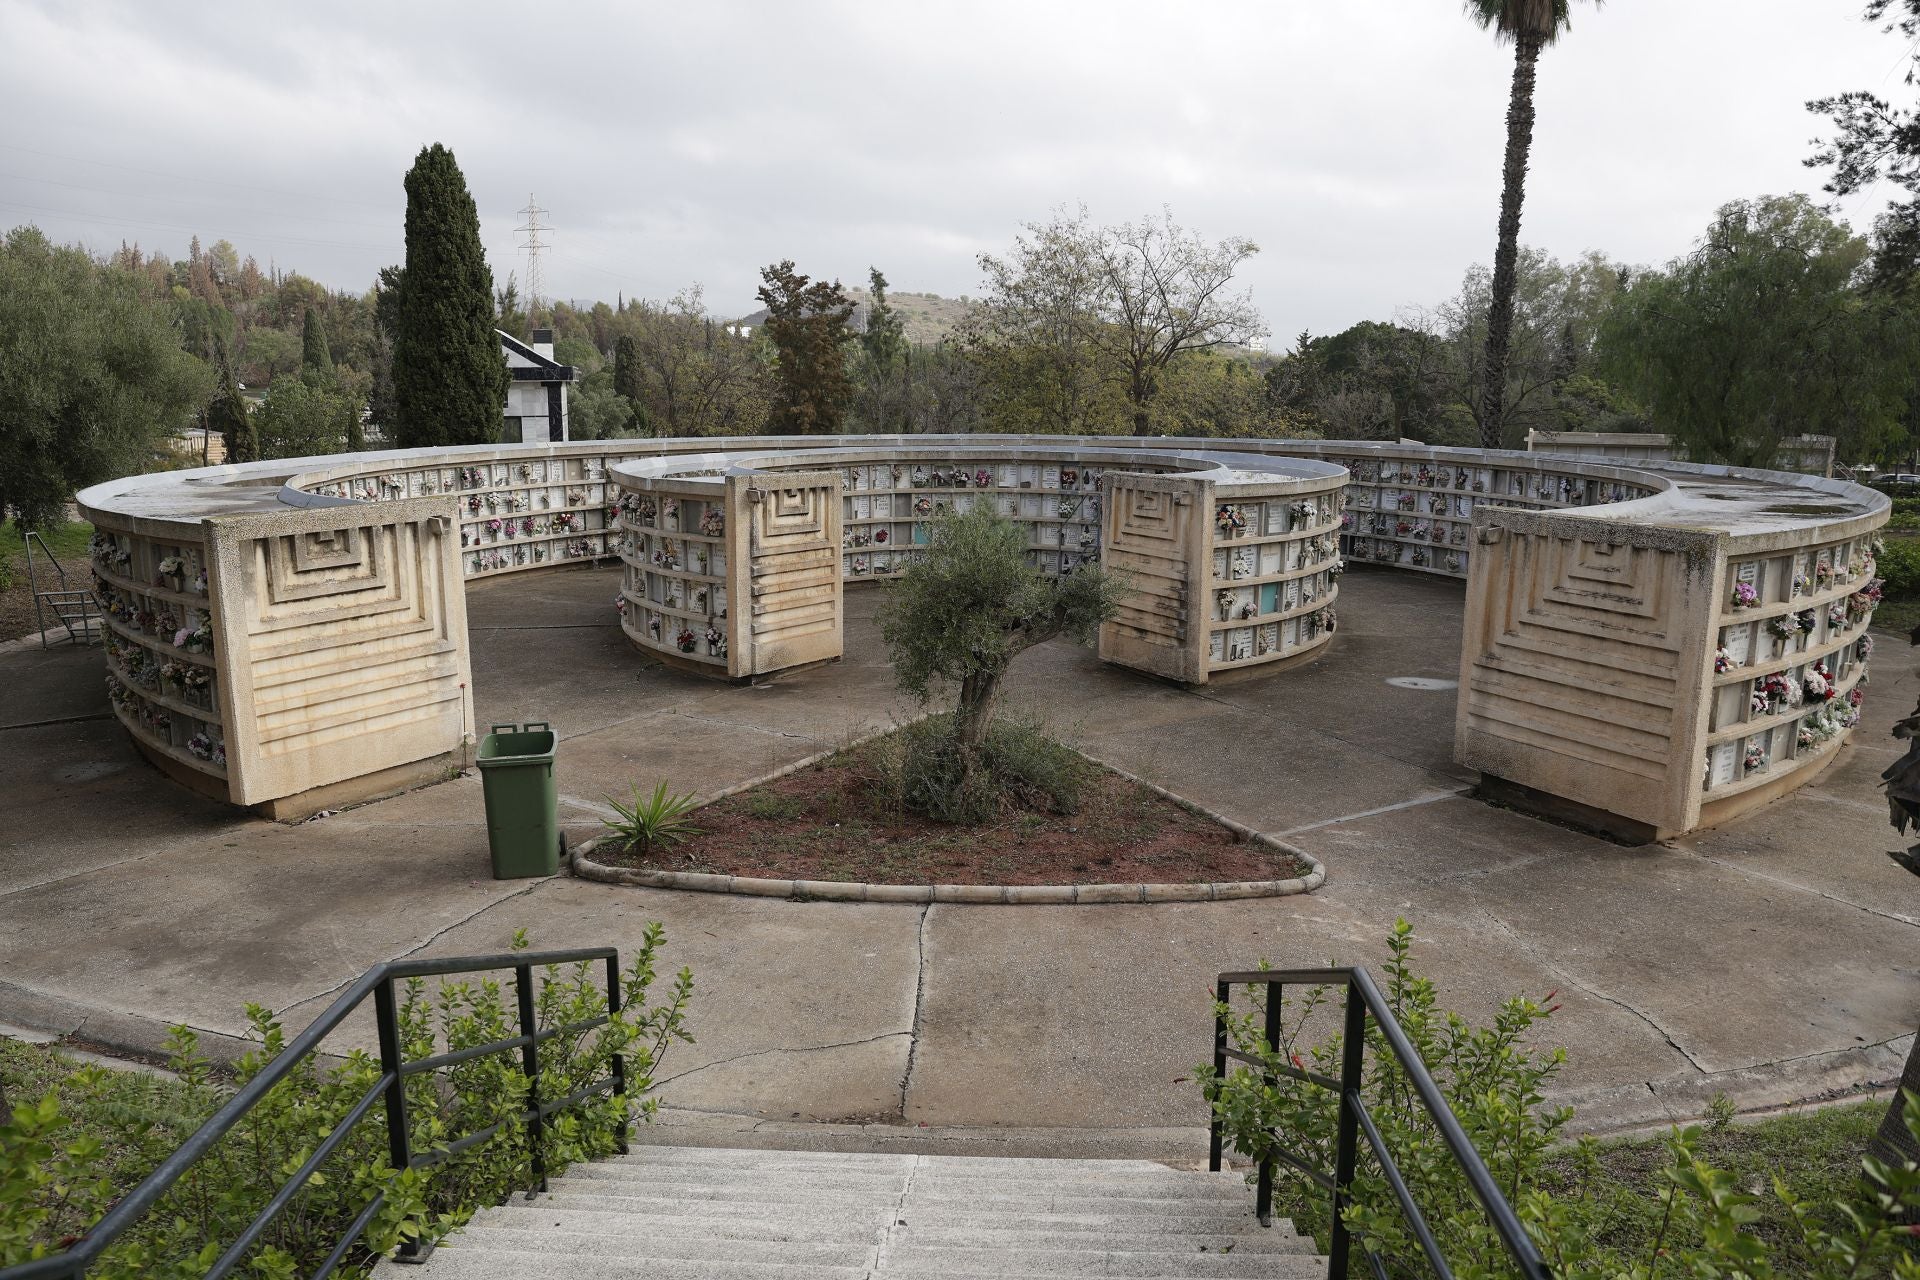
x: 453, y: 1263
x: 1298, y: 1267
x: 732, y: 1158
x: 1190, y: 1263
x: 698, y: 1177
x: 743, y: 1157
x: 1118, y: 1238
x: 811, y: 1227
x: 1022, y: 1213
x: 644, y: 1198
x: 674, y: 1179
x: 637, y: 1241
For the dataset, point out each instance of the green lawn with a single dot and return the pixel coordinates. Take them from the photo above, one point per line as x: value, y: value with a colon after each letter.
x: 137, y: 1118
x: 68, y: 541
x: 1815, y: 1152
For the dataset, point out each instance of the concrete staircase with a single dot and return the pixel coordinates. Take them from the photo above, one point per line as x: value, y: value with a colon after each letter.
x: 691, y: 1213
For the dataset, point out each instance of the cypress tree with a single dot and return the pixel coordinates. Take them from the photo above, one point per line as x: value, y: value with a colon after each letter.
x: 228, y: 415
x: 449, y: 378
x: 356, y: 431
x: 316, y: 362
x: 627, y: 383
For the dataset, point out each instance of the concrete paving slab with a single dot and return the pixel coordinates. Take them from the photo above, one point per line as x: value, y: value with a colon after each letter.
x: 1772, y: 959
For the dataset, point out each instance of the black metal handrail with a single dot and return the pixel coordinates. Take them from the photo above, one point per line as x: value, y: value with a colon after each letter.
x: 1363, y: 1000
x: 390, y: 1087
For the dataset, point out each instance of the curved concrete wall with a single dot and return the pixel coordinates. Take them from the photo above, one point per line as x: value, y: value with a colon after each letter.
x: 1650, y: 647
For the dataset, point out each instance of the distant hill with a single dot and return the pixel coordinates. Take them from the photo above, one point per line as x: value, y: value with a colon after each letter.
x: 927, y: 317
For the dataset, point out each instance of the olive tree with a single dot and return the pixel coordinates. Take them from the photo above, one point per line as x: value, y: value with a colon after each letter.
x: 970, y: 605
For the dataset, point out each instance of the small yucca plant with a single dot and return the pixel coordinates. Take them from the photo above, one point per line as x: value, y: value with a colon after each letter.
x: 652, y: 821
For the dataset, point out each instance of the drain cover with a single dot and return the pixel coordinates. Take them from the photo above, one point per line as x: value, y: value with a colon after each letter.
x: 1421, y: 682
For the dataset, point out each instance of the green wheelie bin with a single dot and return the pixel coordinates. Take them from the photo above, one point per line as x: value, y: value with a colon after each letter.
x: 523, y: 821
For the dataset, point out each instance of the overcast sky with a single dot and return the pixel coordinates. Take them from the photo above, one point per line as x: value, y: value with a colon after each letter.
x: 1358, y: 144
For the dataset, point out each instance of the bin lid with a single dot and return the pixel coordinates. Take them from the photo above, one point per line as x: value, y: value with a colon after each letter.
x: 532, y: 743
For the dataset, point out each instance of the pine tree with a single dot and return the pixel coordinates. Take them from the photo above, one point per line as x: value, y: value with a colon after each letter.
x: 316, y: 362
x: 449, y: 379
x: 807, y: 322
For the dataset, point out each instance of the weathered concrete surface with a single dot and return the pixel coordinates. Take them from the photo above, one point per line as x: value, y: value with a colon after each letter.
x: 1773, y: 959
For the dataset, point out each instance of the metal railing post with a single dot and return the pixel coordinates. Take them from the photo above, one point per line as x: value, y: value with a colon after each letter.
x: 1221, y: 994
x: 530, y: 1067
x: 386, y: 1016
x: 619, y: 1063
x: 1263, y: 1194
x: 1353, y: 1058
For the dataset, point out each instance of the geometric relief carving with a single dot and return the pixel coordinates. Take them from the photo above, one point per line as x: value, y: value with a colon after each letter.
x: 326, y: 549
x: 796, y: 511
x: 307, y: 566
x: 1613, y: 578
x: 1148, y: 514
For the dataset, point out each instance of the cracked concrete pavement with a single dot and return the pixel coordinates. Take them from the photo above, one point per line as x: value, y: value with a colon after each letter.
x: 1773, y: 959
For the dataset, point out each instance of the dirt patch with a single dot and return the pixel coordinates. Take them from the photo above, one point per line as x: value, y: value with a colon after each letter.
x: 16, y: 597
x: 827, y: 822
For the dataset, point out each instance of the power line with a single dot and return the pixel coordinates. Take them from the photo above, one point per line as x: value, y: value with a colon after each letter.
x: 534, y: 245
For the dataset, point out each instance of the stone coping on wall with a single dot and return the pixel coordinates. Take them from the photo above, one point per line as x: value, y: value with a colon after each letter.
x: 1766, y: 507
x: 1230, y: 471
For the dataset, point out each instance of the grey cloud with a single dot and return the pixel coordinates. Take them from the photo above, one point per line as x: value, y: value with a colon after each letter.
x: 1358, y: 144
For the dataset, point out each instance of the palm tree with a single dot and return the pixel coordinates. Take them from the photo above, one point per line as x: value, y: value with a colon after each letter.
x: 1531, y: 25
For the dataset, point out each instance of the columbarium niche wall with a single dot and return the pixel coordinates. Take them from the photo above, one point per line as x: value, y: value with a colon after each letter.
x: 1610, y: 666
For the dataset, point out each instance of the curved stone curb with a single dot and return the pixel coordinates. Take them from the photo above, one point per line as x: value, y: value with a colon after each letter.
x: 977, y: 894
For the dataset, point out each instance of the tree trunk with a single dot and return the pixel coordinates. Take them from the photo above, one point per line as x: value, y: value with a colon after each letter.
x: 972, y: 717
x: 1493, y: 393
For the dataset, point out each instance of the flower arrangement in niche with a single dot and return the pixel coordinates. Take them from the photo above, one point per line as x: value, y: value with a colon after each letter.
x: 713, y: 521
x: 1782, y: 628
x: 1823, y: 572
x: 684, y: 641
x: 473, y: 503
x: 981, y: 478
x: 1756, y: 758
x: 1818, y: 688
x: 1723, y: 661
x: 1805, y: 622
x: 1863, y: 648
x: 494, y: 526
x: 716, y: 642
x: 1799, y: 583
x: 172, y: 570
x: 1770, y: 692
x: 1405, y: 502
x: 1837, y: 616
x: 653, y: 627
x: 879, y: 535
x: 922, y: 506
x: 1229, y: 519
x: 1744, y: 595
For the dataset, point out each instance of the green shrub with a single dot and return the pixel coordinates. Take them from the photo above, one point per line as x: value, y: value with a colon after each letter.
x: 923, y: 769
x: 1898, y: 564
x: 1495, y: 1084
x: 656, y: 820
x: 56, y: 1177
